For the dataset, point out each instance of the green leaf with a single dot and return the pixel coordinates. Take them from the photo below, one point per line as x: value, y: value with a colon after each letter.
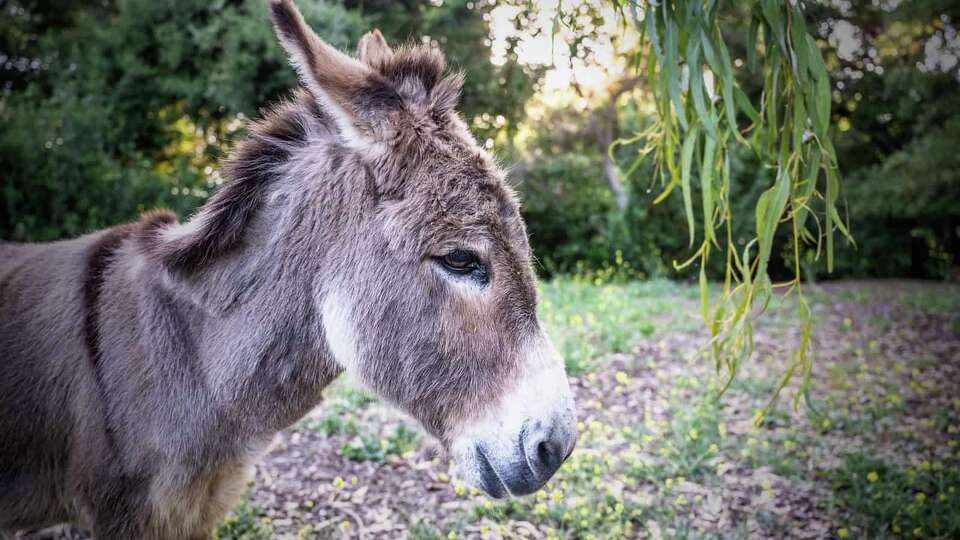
x: 724, y: 68
x: 695, y: 70
x: 744, y: 103
x: 770, y: 207
x: 821, y: 118
x: 799, y: 123
x: 706, y: 188
x: 817, y: 68
x: 672, y: 71
x: 752, y: 43
x: 650, y: 17
x: 802, y: 197
x: 686, y: 160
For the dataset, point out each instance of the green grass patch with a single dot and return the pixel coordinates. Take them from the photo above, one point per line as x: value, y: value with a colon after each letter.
x: 587, y: 321
x: 245, y: 522
x: 371, y: 448
x: 331, y: 425
x: 884, y: 501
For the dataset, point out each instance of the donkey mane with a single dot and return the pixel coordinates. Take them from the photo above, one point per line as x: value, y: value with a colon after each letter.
x: 249, y: 172
x: 414, y: 74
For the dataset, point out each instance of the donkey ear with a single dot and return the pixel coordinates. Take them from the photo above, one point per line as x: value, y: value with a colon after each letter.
x: 373, y: 49
x: 330, y: 75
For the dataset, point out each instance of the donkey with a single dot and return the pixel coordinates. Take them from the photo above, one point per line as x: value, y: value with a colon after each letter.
x: 145, y: 367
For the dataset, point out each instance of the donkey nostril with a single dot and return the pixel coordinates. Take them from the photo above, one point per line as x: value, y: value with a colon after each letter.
x: 543, y: 453
x: 548, y: 457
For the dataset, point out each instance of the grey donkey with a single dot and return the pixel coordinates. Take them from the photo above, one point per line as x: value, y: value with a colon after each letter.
x: 145, y: 367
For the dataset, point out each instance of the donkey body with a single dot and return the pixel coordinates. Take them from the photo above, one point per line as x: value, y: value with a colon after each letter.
x: 135, y: 408
x: 145, y: 367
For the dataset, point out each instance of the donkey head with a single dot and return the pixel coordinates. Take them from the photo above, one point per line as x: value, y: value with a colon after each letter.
x: 426, y: 293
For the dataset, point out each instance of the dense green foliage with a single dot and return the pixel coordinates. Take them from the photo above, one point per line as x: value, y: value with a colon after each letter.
x: 109, y: 108
x: 125, y: 106
x: 896, y: 120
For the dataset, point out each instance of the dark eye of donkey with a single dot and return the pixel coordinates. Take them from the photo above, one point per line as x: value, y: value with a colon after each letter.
x: 464, y: 263
x: 459, y: 260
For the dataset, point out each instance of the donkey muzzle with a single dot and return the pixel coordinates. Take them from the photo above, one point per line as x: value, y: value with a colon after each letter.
x: 519, y: 446
x: 540, y: 452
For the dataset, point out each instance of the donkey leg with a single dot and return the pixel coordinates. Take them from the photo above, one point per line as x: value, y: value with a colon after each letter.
x: 116, y: 507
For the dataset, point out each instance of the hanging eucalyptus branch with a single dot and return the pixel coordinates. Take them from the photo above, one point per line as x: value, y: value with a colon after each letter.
x: 702, y: 113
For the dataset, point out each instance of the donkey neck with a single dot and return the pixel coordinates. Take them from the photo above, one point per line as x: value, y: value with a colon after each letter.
x: 254, y: 319
x: 253, y: 262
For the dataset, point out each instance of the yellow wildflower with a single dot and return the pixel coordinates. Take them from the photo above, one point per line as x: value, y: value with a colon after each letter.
x: 622, y: 377
x: 338, y: 483
x: 842, y: 532
x: 872, y: 476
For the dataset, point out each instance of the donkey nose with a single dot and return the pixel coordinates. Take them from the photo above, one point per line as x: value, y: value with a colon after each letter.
x: 546, y: 448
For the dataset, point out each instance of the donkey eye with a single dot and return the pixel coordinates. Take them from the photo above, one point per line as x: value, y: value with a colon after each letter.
x: 460, y: 261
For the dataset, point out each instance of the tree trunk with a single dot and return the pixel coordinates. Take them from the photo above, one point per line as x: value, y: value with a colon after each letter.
x: 605, y: 130
x: 613, y: 179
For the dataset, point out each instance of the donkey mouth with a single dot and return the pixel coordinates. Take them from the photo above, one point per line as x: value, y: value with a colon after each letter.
x: 516, y: 480
x: 490, y: 481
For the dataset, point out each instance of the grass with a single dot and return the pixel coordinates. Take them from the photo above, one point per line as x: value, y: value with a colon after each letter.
x: 244, y: 523
x: 888, y: 501
x: 371, y: 448
x: 660, y: 456
x: 588, y: 321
